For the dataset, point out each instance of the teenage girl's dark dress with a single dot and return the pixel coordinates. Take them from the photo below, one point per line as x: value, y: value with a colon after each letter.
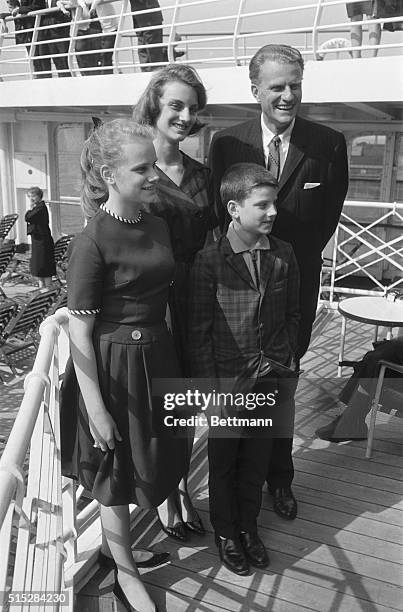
x: 121, y: 272
x: 42, y: 247
x: 188, y: 211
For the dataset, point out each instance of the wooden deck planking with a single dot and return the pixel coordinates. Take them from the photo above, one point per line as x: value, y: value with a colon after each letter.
x: 343, y: 551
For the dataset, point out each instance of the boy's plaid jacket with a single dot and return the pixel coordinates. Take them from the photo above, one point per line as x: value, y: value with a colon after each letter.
x: 232, y: 324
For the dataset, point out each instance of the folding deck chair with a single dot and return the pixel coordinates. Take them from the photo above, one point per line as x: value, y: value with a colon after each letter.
x: 6, y: 223
x: 7, y: 252
x: 23, y: 270
x: 7, y: 312
x: 22, y: 331
x: 61, y: 300
x: 61, y: 247
x: 397, y: 395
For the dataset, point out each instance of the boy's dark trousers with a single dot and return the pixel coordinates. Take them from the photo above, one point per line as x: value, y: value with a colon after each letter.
x: 280, y: 471
x: 238, y: 466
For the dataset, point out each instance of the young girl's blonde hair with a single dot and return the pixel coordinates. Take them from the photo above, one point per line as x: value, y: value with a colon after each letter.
x: 105, y: 147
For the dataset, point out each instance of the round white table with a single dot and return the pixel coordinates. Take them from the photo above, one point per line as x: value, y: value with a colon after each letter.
x: 371, y: 310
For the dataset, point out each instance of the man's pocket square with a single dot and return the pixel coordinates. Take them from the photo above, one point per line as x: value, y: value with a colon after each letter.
x: 311, y: 185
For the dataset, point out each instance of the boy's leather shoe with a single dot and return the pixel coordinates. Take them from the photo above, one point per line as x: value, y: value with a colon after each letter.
x: 232, y: 556
x: 254, y: 549
x: 284, y: 503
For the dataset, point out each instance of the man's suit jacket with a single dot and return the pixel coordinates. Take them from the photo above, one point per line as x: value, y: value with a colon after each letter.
x: 231, y: 324
x: 306, y: 218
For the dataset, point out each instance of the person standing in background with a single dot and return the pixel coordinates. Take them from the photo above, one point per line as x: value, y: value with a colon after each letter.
x: 148, y: 37
x: 54, y: 41
x: 42, y: 263
x: 20, y: 9
x: 87, y: 25
x: 109, y: 21
x: 356, y: 13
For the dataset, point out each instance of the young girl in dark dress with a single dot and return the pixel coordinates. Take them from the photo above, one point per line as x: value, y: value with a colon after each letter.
x: 42, y: 264
x: 120, y: 269
x: 170, y: 104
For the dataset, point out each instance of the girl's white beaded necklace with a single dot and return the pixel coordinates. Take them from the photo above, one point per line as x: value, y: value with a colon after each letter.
x: 123, y: 219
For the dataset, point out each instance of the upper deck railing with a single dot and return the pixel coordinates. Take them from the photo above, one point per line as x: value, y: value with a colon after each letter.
x: 205, y: 31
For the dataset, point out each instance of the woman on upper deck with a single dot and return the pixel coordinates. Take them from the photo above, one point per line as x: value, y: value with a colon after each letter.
x: 170, y: 104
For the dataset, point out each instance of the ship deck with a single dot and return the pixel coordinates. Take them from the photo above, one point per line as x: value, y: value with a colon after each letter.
x: 341, y: 554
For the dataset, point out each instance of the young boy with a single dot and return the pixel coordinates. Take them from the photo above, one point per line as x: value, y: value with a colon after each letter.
x: 243, y: 326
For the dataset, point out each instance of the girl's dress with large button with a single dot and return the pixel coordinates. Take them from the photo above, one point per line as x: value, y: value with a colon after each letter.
x: 121, y: 272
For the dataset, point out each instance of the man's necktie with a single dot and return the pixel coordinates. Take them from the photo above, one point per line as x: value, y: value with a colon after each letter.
x: 273, y: 161
x: 253, y: 255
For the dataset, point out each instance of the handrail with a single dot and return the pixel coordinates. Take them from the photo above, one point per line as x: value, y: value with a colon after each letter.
x: 364, y: 248
x: 197, y: 53
x: 36, y: 510
x: 37, y: 381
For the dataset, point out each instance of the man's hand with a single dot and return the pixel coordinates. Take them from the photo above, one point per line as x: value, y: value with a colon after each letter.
x: 94, y: 5
x: 64, y: 5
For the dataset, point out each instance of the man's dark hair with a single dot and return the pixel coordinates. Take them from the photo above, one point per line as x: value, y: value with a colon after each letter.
x: 240, y: 179
x: 275, y: 53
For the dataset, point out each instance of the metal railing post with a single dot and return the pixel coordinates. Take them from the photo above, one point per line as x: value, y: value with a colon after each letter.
x: 236, y: 31
x: 32, y: 48
x: 172, y: 33
x: 78, y: 13
x: 72, y: 43
x: 315, y: 34
x: 115, y: 52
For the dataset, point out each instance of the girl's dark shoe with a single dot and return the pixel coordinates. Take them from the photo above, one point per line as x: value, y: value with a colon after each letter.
x: 195, y: 526
x: 329, y: 432
x: 154, y: 561
x: 326, y: 432
x: 119, y: 594
x: 176, y: 532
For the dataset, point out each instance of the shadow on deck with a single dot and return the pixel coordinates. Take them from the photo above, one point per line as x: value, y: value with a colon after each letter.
x: 342, y: 553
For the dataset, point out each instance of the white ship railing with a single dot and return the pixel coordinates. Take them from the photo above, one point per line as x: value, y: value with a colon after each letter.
x: 31, y: 514
x: 372, y: 249
x: 230, y: 39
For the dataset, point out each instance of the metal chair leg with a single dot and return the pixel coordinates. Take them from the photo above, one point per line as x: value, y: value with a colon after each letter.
x: 374, y: 410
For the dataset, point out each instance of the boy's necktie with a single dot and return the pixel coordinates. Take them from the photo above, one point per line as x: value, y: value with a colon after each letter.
x: 253, y: 255
x: 273, y: 161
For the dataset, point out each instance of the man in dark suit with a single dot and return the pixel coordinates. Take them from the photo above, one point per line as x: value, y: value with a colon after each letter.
x: 243, y: 331
x: 54, y: 40
x: 310, y: 162
x: 148, y: 55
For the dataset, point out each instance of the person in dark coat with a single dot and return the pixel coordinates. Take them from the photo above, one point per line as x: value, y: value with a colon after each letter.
x: 359, y: 389
x: 23, y: 24
x: 148, y: 55
x: 53, y: 40
x: 42, y: 263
